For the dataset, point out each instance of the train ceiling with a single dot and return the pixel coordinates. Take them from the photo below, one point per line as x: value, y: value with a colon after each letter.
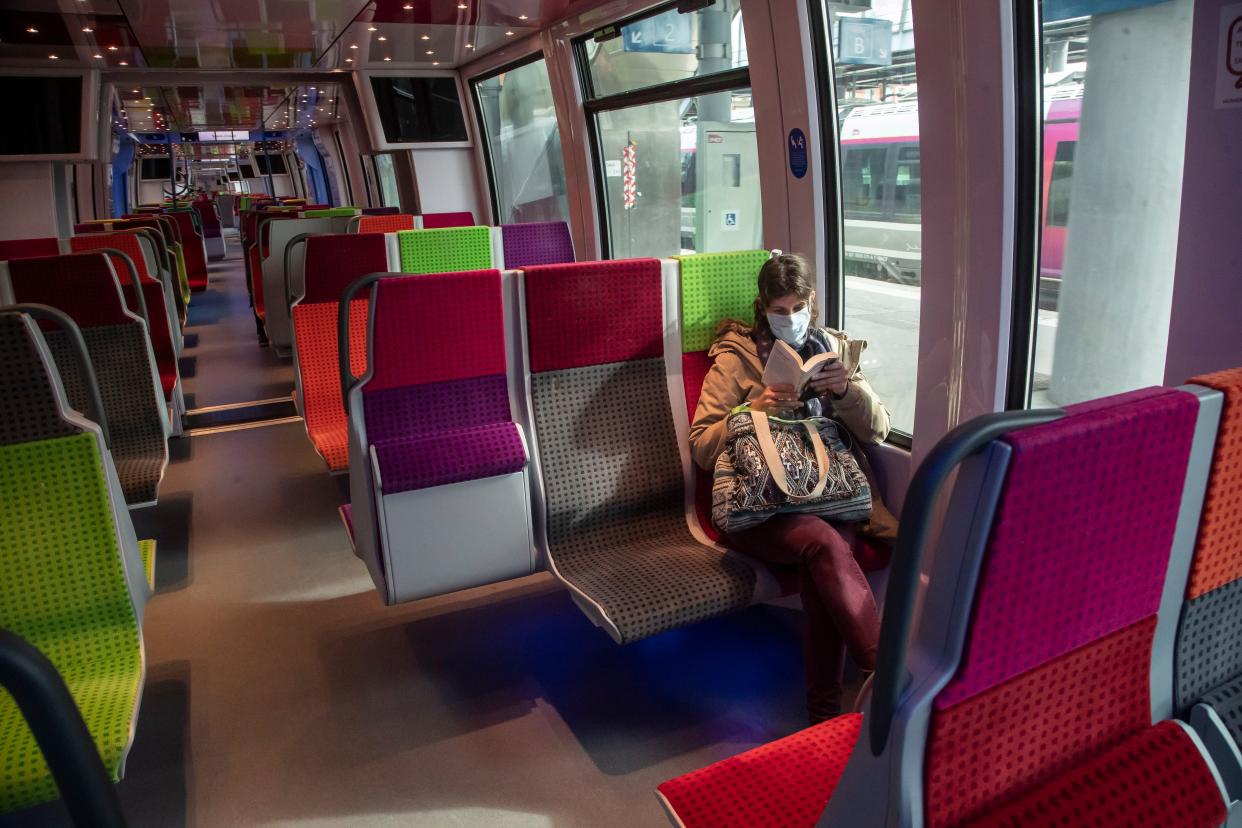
x: 265, y: 34
x: 214, y: 107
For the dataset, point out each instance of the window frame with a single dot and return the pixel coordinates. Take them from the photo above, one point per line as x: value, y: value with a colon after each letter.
x: 593, y: 105
x: 485, y: 143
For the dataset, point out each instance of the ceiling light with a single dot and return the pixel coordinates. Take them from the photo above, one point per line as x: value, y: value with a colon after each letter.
x: 381, y: 37
x: 87, y: 29
x: 431, y: 51
x: 124, y: 63
x: 462, y: 6
x: 523, y: 17
x: 100, y: 57
x: 349, y: 60
x: 31, y: 30
x: 469, y: 45
x: 387, y: 58
x: 408, y: 7
x: 435, y: 63
x: 509, y: 34
x: 312, y: 89
x: 135, y: 90
x: 53, y: 57
x: 425, y: 37
x: 372, y: 29
x: 113, y: 48
x: 353, y: 45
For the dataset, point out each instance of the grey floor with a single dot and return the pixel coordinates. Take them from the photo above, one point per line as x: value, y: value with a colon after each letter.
x: 280, y: 691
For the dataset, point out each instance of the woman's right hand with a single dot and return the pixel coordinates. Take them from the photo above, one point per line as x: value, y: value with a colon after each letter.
x: 776, y: 399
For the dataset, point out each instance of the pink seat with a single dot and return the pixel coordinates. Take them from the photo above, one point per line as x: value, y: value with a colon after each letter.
x: 28, y: 248
x: 436, y: 220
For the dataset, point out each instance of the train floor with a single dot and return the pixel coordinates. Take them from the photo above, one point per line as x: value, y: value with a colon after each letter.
x: 280, y: 690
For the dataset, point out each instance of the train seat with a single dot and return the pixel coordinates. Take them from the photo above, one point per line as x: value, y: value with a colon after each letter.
x: 213, y: 233
x: 28, y: 248
x: 192, y: 246
x: 160, y: 313
x: 85, y: 288
x: 444, y: 250
x: 58, y: 504
x: 226, y: 206
x: 435, y: 221
x: 1032, y: 652
x: 606, y: 446
x: 439, y: 488
x: 384, y: 223
x: 164, y: 264
x: 536, y: 243
x: 333, y: 262
x: 151, y: 268
x: 282, y: 268
x: 1208, y: 663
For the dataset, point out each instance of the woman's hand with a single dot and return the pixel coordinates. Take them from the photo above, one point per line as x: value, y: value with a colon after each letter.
x: 776, y: 399
x: 832, y: 378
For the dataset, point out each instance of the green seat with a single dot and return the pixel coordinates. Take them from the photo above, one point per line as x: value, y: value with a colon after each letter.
x: 64, y: 589
x: 146, y: 548
x: 445, y: 250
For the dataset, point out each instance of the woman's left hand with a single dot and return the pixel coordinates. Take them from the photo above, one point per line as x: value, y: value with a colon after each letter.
x: 831, y: 378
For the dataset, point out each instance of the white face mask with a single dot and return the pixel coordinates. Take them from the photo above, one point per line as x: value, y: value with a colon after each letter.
x: 792, y: 329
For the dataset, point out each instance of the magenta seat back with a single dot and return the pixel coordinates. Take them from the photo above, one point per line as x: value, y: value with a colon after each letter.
x: 1056, y: 664
x: 537, y: 243
x: 28, y: 248
x: 335, y: 260
x: 432, y: 221
x: 82, y: 285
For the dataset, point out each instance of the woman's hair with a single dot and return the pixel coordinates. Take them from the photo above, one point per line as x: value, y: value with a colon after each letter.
x: 781, y: 275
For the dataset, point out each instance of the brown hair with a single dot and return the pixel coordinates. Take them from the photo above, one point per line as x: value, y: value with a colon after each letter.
x: 781, y: 275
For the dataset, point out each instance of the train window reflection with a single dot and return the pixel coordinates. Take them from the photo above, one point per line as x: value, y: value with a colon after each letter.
x: 527, y: 168
x: 666, y: 47
x: 878, y: 118
x: 1108, y: 238
x: 386, y: 180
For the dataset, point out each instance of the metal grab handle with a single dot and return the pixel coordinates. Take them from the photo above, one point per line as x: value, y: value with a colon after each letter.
x: 891, y: 677
x: 353, y: 224
x: 348, y: 380
x: 133, y: 277
x: 57, y: 725
x: 94, y: 399
x: 300, y: 238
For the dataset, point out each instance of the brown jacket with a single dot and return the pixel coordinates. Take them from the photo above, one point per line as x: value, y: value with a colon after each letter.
x: 736, y: 377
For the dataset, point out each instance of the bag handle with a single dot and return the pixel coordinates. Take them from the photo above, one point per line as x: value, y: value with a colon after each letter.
x: 763, y: 435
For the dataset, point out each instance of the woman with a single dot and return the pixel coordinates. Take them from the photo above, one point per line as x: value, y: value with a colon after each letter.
x: 840, y: 610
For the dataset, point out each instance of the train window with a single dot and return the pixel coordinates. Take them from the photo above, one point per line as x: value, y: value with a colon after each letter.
x: 873, y: 72
x: 665, y: 47
x: 386, y: 179
x: 677, y: 162
x: 1093, y: 318
x: 525, y: 164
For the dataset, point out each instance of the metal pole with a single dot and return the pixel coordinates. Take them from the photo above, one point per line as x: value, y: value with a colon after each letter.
x: 271, y: 183
x: 172, y: 170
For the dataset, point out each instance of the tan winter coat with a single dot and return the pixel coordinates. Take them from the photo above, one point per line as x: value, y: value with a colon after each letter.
x: 736, y: 377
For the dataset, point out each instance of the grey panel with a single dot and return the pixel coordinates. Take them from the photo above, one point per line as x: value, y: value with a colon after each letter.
x: 30, y: 410
x: 612, y: 477
x: 119, y: 354
x: 1209, y: 646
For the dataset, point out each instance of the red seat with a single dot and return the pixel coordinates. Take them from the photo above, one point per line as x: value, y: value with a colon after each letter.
x: 28, y: 248
x: 436, y: 220
x: 385, y: 224
x: 192, y: 247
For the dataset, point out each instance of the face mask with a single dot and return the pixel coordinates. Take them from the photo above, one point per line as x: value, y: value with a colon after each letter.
x: 792, y: 329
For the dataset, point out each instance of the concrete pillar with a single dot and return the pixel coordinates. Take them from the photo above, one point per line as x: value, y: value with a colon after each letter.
x: 1124, y: 204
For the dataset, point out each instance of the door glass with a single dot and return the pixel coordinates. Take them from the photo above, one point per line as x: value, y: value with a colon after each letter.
x: 878, y: 118
x: 524, y: 144
x: 386, y: 178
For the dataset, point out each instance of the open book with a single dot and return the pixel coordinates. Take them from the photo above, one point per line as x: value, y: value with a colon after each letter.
x: 786, y: 367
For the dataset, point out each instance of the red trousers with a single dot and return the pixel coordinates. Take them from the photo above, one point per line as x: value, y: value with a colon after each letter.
x: 840, y: 610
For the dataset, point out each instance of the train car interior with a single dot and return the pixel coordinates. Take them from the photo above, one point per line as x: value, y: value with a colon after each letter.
x: 557, y: 413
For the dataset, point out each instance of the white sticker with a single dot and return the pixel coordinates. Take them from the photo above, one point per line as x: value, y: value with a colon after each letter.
x: 1229, y: 62
x: 729, y: 219
x: 612, y: 167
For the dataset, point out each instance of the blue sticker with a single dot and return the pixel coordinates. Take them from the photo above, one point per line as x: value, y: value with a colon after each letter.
x: 797, y: 153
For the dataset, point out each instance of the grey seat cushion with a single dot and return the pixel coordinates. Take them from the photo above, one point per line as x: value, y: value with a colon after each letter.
x: 132, y: 401
x: 1226, y: 700
x: 614, y: 494
x: 1209, y: 648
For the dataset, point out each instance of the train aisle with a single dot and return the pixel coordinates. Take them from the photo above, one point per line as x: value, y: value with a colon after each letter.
x: 280, y: 691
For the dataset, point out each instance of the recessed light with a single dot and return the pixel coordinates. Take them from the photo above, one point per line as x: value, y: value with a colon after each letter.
x: 435, y: 63
x: 381, y: 37
x: 425, y: 37
x: 509, y: 34
x: 113, y: 48
x: 372, y: 29
x: 431, y: 51
x: 100, y: 57
x: 408, y: 7
x: 387, y: 58
x: 462, y: 6
x: 349, y: 60
x: 312, y: 89
x: 523, y: 17
x: 87, y: 29
x: 124, y: 63
x: 53, y: 57
x: 31, y: 30
x: 353, y: 45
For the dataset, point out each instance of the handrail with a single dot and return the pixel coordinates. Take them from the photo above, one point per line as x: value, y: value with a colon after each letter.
x: 134, y: 277
x: 54, y: 719
x: 348, y: 380
x: 353, y: 224
x: 300, y: 238
x: 93, y: 398
x: 891, y: 677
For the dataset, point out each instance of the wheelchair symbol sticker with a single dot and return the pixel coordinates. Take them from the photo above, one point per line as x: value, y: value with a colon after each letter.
x: 730, y: 219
